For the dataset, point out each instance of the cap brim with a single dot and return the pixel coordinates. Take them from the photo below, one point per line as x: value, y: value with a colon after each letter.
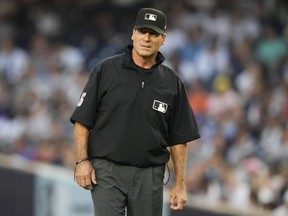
x: 154, y: 28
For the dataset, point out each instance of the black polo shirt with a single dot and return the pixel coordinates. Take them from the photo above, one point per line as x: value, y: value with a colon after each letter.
x: 134, y: 114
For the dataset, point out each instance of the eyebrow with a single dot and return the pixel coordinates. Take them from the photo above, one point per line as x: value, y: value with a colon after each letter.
x: 147, y: 30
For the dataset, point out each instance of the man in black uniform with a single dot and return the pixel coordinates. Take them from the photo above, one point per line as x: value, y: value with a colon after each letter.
x: 133, y: 115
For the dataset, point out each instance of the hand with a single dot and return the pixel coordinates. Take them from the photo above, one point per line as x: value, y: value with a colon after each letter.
x: 85, y: 175
x: 178, y: 197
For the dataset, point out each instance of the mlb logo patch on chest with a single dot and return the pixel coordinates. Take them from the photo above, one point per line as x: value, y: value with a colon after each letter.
x: 160, y: 106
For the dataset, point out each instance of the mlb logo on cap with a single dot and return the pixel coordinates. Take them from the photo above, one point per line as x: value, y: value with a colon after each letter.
x: 149, y: 16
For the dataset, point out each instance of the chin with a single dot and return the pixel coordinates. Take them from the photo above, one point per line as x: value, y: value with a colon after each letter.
x: 146, y: 54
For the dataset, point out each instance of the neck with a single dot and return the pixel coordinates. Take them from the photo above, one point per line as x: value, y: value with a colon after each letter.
x: 143, y: 61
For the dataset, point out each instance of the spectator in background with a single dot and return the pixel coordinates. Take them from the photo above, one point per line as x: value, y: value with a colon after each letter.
x: 224, y: 99
x: 271, y: 50
x: 198, y: 98
x: 188, y: 53
x: 248, y: 79
x: 212, y: 61
x: 272, y: 47
x: 14, y: 61
x: 242, y: 147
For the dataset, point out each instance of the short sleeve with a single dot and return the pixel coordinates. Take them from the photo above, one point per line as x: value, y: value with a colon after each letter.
x: 182, y: 126
x: 85, y: 111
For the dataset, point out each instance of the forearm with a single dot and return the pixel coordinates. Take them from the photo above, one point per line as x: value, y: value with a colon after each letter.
x: 179, y: 157
x: 81, y: 136
x: 84, y: 172
x: 178, y: 195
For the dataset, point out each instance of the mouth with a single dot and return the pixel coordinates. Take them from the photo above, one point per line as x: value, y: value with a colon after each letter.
x: 146, y: 47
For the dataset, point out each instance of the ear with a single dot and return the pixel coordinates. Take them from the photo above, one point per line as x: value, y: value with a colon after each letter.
x: 132, y: 36
x: 164, y: 38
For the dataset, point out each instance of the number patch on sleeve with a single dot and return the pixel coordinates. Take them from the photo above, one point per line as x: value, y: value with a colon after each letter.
x: 81, y: 99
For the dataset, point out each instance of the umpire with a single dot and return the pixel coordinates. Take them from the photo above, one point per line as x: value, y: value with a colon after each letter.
x: 133, y: 114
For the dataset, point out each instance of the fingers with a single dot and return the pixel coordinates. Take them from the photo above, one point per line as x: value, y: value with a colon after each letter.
x: 177, y: 205
x: 93, y: 177
x: 84, y: 182
x: 178, y: 197
x: 85, y: 175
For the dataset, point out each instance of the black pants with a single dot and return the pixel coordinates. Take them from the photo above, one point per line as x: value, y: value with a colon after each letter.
x: 139, y: 190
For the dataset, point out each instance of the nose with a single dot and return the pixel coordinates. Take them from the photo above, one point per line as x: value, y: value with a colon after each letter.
x: 147, y: 36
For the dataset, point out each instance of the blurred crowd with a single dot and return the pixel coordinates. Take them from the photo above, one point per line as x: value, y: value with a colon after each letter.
x: 231, y: 55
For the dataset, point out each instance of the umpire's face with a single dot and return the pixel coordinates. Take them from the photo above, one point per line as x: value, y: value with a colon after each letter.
x: 147, y: 42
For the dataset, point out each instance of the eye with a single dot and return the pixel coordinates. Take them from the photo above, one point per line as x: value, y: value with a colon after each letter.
x: 154, y: 33
x: 149, y: 31
x: 142, y: 31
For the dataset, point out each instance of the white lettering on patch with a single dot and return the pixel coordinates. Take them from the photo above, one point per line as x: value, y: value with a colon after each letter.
x: 81, y: 99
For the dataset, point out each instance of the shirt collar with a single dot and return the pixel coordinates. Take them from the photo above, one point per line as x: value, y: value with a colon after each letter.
x: 128, y: 61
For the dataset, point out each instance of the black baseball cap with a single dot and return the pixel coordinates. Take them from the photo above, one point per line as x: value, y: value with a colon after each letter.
x: 151, y: 18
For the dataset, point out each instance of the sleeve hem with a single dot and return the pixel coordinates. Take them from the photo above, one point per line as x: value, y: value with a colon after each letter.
x: 183, y: 140
x: 83, y: 122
